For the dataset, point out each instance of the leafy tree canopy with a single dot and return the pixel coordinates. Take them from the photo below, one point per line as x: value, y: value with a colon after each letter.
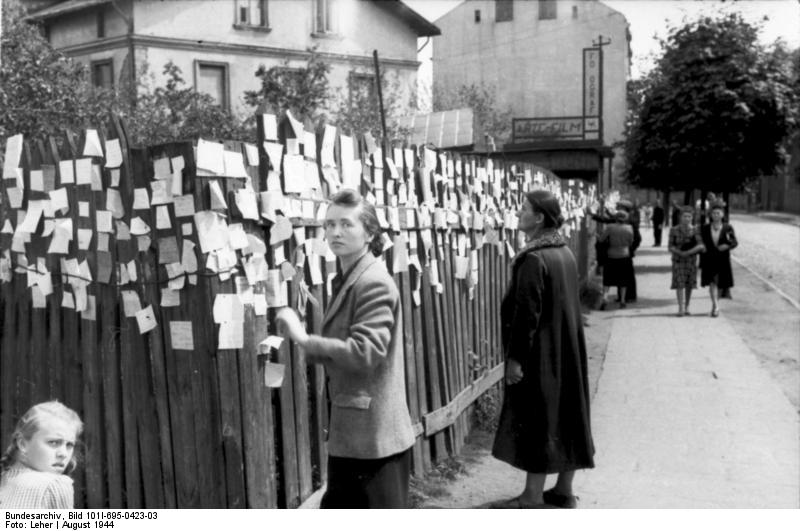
x: 715, y: 112
x: 305, y: 90
x: 42, y: 92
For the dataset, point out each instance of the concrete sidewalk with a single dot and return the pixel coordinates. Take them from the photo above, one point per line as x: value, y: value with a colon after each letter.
x: 684, y: 416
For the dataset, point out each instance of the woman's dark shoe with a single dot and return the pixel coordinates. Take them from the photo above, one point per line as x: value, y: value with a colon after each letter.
x: 564, y: 501
x: 623, y: 305
x: 603, y: 306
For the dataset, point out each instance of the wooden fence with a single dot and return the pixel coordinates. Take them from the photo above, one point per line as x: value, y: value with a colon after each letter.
x: 111, y: 267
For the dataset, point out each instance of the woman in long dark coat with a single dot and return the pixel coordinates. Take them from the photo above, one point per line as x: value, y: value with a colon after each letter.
x: 715, y: 262
x: 544, y: 423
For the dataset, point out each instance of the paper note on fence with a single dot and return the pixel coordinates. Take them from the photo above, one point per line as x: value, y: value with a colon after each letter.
x: 184, y: 206
x: 66, y: 170
x: 92, y: 147
x: 12, y: 157
x: 181, y: 335
x: 146, y: 319
x: 234, y: 164
x: 83, y: 171
x: 162, y: 169
x: 210, y: 156
x: 113, y: 153
x: 170, y: 298
x: 231, y: 335
x: 141, y: 200
x: 114, y: 203
x: 246, y: 203
x: 228, y: 307
x: 273, y: 374
x: 270, y: 124
x: 130, y: 303
x: 212, y: 230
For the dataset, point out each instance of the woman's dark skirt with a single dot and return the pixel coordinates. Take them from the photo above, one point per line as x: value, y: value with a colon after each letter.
x: 368, y: 483
x: 618, y: 272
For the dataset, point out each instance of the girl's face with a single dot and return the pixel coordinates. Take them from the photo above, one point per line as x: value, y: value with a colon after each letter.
x: 345, y: 233
x: 716, y: 215
x: 50, y: 448
x: 528, y: 219
x: 686, y: 218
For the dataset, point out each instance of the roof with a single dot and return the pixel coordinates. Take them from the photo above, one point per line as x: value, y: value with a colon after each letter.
x: 445, y: 129
x: 63, y: 8
x: 417, y: 22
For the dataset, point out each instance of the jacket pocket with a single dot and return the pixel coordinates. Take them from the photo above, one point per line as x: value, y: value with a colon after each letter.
x: 352, y: 401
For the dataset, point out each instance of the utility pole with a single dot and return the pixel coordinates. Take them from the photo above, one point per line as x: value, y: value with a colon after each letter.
x: 599, y: 43
x: 380, y: 96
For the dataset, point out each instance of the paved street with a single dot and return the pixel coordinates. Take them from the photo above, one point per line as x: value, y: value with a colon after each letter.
x: 686, y: 414
x: 771, y: 249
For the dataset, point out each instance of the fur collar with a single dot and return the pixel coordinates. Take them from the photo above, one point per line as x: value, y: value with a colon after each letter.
x: 548, y: 238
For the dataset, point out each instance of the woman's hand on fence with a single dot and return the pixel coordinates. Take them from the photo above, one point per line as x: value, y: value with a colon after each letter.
x: 290, y: 325
x: 513, y: 372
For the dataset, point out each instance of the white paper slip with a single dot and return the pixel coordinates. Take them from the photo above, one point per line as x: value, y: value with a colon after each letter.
x: 146, y: 319
x: 113, y: 153
x: 91, y: 147
x: 210, y: 156
x: 228, y: 307
x: 231, y: 335
x: 181, y: 335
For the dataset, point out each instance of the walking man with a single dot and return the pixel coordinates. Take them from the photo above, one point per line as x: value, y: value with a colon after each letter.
x: 658, y: 223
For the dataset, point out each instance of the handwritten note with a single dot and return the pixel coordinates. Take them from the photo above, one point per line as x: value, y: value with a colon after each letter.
x: 113, y: 153
x: 181, y: 335
x: 146, y: 319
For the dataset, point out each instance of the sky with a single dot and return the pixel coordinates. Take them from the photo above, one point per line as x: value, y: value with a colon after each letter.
x: 648, y: 18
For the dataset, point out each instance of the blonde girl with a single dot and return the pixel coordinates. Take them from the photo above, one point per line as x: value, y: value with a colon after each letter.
x: 36, y: 464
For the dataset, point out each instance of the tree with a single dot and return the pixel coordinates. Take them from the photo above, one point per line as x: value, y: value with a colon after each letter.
x: 42, y: 92
x: 358, y: 109
x: 304, y: 90
x: 174, y: 112
x: 715, y: 111
x: 490, y: 119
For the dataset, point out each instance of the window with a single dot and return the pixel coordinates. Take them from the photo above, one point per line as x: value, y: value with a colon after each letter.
x: 547, y: 9
x: 503, y: 10
x: 362, y: 87
x: 212, y: 79
x: 251, y: 13
x: 103, y: 73
x: 322, y: 16
x: 101, y: 23
x: 477, y: 15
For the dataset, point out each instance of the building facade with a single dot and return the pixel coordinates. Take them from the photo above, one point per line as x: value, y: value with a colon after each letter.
x: 542, y: 59
x: 219, y: 45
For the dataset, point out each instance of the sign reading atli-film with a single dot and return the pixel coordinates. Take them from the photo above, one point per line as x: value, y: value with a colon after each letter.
x: 585, y: 127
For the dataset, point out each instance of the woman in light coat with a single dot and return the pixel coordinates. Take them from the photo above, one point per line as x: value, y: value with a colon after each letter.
x: 361, y: 348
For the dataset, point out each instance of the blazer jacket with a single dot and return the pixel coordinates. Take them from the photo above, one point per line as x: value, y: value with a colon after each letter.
x: 361, y: 347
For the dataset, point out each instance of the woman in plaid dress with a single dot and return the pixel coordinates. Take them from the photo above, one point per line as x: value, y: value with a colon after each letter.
x: 684, y: 244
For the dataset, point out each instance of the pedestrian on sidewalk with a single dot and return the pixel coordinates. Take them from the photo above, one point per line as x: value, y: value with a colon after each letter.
x: 618, y: 271
x: 715, y: 262
x: 658, y: 223
x: 684, y: 244
x: 544, y: 425
x: 361, y: 347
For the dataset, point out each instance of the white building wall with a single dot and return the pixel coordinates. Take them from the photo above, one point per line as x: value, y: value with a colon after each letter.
x: 535, y: 66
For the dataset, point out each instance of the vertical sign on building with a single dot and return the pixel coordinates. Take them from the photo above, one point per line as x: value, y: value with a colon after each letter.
x: 592, y: 81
